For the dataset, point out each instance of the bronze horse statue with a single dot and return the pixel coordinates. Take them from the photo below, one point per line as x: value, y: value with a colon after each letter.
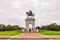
x: 30, y: 13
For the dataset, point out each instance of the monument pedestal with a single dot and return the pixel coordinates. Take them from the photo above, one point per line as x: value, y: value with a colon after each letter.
x: 32, y: 22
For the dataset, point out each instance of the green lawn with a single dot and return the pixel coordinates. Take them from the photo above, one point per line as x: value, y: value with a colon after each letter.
x: 48, y: 32
x: 10, y: 33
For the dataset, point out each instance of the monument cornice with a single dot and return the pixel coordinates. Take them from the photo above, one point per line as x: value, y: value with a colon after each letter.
x: 32, y: 19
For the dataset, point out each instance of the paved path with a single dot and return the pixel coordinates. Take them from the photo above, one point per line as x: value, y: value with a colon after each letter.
x: 30, y: 35
x: 53, y: 36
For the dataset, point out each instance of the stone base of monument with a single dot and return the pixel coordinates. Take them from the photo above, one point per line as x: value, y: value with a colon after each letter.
x: 28, y: 22
x: 30, y: 30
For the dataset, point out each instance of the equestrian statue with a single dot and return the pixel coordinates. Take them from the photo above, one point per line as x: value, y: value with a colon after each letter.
x: 30, y: 13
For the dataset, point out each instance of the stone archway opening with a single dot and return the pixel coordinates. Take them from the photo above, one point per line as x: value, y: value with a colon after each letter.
x: 30, y: 27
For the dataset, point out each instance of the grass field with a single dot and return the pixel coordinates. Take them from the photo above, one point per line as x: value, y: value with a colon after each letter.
x: 48, y: 32
x: 10, y: 33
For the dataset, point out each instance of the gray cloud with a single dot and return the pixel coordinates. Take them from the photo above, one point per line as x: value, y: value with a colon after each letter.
x: 13, y: 11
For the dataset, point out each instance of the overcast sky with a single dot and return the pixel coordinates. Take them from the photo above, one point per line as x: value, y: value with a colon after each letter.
x: 14, y: 11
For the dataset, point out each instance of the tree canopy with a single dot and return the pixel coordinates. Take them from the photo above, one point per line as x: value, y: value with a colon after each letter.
x: 52, y: 26
x: 9, y: 27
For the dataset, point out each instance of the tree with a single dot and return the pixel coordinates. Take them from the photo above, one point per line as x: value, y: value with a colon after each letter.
x: 52, y: 26
x: 44, y: 27
x: 8, y: 27
x: 15, y: 27
x: 2, y: 27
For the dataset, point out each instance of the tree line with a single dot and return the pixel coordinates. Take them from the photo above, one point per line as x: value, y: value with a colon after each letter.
x: 53, y: 27
x: 9, y: 27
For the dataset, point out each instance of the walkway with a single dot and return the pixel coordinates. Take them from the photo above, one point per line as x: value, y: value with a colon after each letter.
x: 30, y: 35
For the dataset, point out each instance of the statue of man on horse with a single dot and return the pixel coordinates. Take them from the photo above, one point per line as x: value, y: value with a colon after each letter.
x: 30, y: 13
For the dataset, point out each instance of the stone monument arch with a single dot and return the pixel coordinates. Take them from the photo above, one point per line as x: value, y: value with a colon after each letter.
x: 30, y: 20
